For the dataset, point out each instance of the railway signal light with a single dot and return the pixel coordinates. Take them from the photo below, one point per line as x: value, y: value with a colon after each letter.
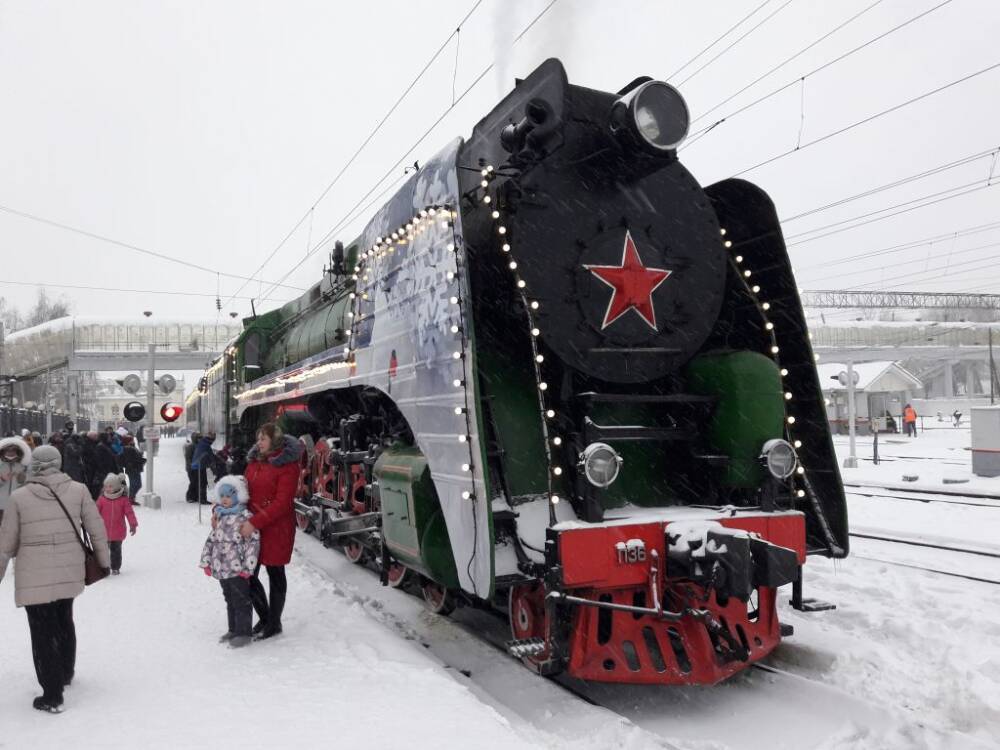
x: 171, y: 412
x: 134, y: 411
x: 131, y: 384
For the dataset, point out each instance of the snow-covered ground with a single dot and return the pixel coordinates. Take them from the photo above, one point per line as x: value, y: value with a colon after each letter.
x: 909, y: 659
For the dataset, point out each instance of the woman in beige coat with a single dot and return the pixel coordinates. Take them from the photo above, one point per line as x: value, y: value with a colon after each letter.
x: 48, y: 570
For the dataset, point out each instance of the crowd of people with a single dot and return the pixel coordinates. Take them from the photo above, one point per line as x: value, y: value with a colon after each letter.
x: 70, y: 501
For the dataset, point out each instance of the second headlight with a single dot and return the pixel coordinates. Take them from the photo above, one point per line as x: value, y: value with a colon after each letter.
x: 779, y: 457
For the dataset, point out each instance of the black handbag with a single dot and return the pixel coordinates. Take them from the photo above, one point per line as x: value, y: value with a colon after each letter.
x: 92, y: 570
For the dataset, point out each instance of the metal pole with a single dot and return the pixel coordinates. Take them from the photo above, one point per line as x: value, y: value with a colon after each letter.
x: 150, y: 414
x: 150, y: 498
x: 992, y: 366
x: 851, y: 462
x: 48, y: 409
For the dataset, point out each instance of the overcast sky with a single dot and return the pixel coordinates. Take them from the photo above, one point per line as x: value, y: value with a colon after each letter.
x: 205, y: 130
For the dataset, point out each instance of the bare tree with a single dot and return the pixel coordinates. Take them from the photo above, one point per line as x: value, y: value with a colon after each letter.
x: 44, y: 310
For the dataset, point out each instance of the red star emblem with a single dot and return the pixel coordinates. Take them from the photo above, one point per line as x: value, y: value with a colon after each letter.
x: 633, y: 285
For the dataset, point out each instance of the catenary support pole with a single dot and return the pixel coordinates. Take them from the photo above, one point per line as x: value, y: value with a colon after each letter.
x: 851, y: 462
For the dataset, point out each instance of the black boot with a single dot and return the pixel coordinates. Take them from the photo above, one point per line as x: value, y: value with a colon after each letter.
x: 49, y: 705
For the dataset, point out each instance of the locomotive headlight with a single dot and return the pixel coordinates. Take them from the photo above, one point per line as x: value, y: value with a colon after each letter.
x: 654, y: 114
x: 600, y: 464
x: 779, y: 457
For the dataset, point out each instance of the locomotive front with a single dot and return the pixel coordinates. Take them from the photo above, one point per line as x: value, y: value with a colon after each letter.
x: 650, y: 396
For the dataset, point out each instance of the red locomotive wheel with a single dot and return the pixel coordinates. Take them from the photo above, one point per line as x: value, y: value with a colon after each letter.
x: 355, y: 552
x: 528, y: 618
x: 437, y: 598
x: 397, y: 576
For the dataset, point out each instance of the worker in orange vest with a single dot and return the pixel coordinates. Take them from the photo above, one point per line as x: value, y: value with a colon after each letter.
x: 910, y: 420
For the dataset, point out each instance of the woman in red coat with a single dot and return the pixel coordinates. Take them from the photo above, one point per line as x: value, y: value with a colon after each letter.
x: 272, y: 477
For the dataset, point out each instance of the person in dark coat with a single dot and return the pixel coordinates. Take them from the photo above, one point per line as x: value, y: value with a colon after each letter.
x: 202, y: 460
x: 132, y: 463
x: 72, y: 452
x: 192, y: 491
x: 272, y: 476
x: 103, y: 462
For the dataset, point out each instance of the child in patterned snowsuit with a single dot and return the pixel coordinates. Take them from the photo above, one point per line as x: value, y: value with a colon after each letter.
x: 231, y: 558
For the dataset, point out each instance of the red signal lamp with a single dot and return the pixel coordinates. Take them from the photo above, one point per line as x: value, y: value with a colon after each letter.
x: 171, y: 412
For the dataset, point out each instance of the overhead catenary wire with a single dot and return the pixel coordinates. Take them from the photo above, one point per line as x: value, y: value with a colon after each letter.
x: 969, y: 191
x: 718, y: 39
x: 127, y: 245
x: 86, y: 287
x: 787, y: 60
x: 738, y: 40
x: 826, y: 277
x: 348, y: 216
x: 871, y: 216
x: 912, y: 244
x: 895, y: 183
x: 698, y: 135
x: 870, y: 118
x: 340, y: 173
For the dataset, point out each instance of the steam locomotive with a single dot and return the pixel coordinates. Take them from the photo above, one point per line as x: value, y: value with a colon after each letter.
x: 557, y: 376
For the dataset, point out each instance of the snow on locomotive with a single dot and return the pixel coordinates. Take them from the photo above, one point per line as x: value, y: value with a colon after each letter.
x: 556, y: 375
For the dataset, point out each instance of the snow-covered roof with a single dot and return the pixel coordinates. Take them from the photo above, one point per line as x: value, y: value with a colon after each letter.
x: 68, y: 322
x: 868, y: 373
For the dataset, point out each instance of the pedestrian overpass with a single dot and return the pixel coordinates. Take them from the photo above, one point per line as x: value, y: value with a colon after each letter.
x: 51, y: 368
x: 113, y: 344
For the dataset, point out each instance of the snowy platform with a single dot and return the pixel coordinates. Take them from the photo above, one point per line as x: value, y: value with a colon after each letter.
x: 907, y: 660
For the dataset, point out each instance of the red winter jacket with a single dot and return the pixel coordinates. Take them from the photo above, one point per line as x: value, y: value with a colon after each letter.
x: 115, y: 511
x: 272, y: 482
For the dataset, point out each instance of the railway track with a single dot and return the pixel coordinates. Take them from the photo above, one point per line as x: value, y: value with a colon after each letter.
x: 940, y: 496
x: 929, y: 546
x: 471, y: 644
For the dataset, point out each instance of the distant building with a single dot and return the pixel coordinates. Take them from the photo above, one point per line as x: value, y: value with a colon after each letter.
x: 883, y: 389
